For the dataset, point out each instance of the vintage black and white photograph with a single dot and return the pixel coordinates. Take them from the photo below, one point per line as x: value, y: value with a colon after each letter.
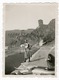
x: 30, y: 38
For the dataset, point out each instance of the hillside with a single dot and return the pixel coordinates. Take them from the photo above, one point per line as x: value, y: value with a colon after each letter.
x: 15, y: 35
x: 46, y: 32
x: 43, y: 31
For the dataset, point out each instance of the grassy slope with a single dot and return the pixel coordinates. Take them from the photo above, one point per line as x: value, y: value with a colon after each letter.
x: 14, y: 59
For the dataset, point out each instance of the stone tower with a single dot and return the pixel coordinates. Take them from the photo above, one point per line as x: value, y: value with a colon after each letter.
x: 40, y: 22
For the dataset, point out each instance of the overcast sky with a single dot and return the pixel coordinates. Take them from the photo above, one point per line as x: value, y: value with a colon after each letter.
x: 24, y: 16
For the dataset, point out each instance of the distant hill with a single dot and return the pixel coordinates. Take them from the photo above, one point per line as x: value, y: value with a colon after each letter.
x: 45, y: 32
x: 14, y: 35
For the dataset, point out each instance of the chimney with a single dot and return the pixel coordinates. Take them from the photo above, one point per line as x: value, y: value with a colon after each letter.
x: 40, y: 22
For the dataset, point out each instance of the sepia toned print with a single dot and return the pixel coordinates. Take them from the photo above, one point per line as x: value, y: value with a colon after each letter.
x: 30, y: 38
